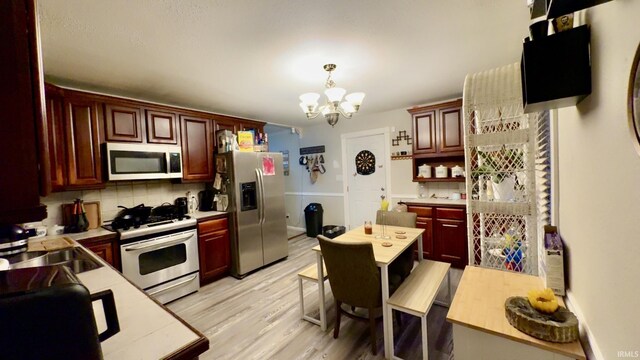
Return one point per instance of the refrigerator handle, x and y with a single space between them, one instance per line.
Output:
260 196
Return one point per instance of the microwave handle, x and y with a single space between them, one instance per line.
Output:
168 160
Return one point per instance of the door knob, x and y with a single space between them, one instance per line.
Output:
382 188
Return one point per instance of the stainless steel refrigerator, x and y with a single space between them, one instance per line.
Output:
254 184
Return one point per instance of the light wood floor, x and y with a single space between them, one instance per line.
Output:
258 317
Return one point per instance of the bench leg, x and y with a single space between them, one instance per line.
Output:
392 350
449 286
425 341
323 314
301 297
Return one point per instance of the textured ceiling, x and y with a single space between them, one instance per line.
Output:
254 58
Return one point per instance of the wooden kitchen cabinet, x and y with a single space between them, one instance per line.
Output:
214 249
445 236
162 127
438 138
82 127
197 148
56 136
437 129
25 171
105 247
123 123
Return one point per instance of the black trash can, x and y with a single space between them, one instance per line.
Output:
313 219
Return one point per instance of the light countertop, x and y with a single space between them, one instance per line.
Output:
148 330
479 304
203 215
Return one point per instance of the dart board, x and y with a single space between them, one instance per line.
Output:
365 163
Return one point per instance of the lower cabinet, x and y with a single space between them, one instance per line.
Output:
106 248
214 249
445 236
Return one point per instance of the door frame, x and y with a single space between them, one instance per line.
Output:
386 132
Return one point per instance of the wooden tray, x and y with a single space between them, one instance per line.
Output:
93 214
58 243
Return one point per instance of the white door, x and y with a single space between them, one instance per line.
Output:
364 191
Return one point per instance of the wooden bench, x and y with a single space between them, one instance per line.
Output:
417 293
311 274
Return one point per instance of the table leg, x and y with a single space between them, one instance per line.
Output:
386 312
420 253
323 313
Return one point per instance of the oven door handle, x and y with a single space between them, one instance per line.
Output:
157 244
190 279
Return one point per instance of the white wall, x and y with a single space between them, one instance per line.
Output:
328 188
599 187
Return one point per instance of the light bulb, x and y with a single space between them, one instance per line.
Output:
335 94
310 99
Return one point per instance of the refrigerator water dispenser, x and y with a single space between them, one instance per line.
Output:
248 196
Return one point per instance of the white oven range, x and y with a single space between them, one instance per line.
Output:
162 258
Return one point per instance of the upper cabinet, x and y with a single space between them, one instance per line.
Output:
23 139
55 136
438 138
162 127
197 148
82 127
437 129
123 123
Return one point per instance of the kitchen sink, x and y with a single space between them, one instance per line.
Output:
76 258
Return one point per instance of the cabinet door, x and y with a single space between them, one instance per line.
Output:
427 236
197 149
104 250
123 122
451 140
83 142
451 241
215 256
257 128
162 127
424 133
55 135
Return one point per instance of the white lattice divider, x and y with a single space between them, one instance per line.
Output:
501 148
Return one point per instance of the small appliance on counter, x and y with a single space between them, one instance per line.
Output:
206 199
182 203
46 312
13 239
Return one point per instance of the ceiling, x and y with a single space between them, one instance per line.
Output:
254 58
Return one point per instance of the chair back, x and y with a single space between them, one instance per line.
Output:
395 218
352 271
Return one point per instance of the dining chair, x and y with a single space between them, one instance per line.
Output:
355 280
403 264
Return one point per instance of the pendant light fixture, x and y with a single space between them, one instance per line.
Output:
333 107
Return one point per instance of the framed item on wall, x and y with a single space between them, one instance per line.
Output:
634 100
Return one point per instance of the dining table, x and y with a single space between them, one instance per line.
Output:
388 243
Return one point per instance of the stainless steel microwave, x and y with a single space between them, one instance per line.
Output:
143 161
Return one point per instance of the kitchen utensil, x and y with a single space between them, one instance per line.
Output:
441 171
131 217
57 243
457 171
424 171
47 311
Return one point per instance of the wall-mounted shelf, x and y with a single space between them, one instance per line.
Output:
433 179
401 157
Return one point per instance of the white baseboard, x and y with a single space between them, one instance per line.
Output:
587 339
296 228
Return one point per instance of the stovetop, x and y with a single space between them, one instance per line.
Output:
132 223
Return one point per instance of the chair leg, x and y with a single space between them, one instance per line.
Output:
372 329
336 329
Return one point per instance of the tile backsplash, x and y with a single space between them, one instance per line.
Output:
125 193
443 189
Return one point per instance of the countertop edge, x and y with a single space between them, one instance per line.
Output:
188 351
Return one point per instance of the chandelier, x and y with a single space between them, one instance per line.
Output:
333 108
